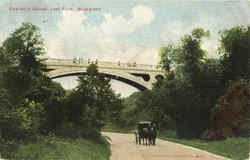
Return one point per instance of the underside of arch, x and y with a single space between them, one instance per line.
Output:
115 77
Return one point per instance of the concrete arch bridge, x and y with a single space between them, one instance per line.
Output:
140 76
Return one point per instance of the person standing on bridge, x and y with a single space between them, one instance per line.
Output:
134 64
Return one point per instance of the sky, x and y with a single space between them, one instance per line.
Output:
120 30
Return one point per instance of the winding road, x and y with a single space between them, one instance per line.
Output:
123 147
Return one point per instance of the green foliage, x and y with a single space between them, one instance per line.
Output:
29 101
31 104
168 57
231 111
235 55
200 81
128 116
93 103
199 33
25 44
30 115
5 58
52 147
21 71
17 82
52 97
226 148
186 56
181 94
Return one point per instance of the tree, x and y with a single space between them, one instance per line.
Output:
51 95
186 56
21 72
228 114
93 100
191 74
22 65
25 44
5 59
235 55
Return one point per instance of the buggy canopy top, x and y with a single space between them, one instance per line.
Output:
144 122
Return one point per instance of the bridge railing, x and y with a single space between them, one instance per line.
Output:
83 62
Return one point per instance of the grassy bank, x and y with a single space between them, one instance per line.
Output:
236 148
44 148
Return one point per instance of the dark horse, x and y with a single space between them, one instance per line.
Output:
152 135
147 135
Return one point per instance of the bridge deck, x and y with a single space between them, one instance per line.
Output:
103 64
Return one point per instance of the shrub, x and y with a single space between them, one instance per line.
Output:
232 110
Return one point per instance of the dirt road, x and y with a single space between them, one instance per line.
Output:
123 147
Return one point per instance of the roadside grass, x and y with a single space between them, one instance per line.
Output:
62 148
235 148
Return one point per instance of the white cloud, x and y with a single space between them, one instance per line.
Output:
142 15
148 56
71 22
99 41
174 30
53 48
114 26
126 89
177 29
68 82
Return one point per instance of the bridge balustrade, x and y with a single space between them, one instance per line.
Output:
54 61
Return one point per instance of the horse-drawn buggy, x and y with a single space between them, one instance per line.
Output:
145 133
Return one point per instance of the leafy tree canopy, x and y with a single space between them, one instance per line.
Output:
235 53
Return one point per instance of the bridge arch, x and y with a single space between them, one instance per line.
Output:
115 77
137 82
139 76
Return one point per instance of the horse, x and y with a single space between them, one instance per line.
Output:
149 135
143 135
146 135
152 135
